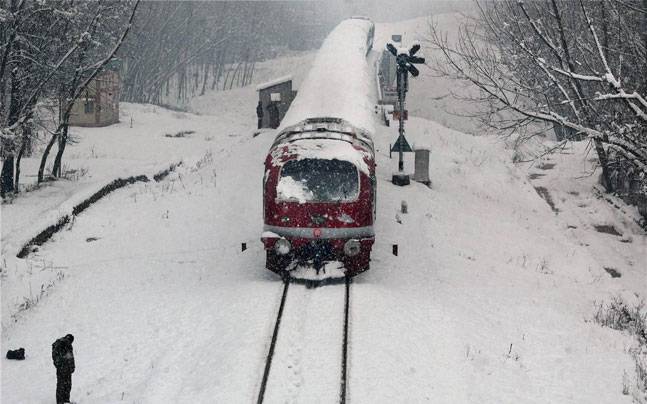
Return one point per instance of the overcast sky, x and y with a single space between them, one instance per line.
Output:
384 10
394 10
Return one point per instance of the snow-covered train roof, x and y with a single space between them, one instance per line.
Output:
322 149
339 82
331 128
328 139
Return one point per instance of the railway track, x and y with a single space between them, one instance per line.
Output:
308 353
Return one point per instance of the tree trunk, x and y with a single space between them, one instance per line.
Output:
180 79
599 148
604 163
245 68
62 142
215 77
8 146
196 79
220 68
4 61
644 32
241 73
43 159
7 176
224 84
236 72
206 77
17 174
251 73
605 29
23 147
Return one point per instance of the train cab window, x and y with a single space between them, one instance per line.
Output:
318 180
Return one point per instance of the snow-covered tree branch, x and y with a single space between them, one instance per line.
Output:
50 51
562 63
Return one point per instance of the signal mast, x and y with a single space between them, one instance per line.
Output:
405 61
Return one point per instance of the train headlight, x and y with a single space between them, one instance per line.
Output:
282 246
352 247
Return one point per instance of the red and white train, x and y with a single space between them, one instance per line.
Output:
319 184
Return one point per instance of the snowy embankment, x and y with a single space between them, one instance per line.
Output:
135 146
141 145
569 181
43 228
490 300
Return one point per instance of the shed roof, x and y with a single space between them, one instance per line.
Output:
273 83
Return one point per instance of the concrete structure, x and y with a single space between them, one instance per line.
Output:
275 97
421 173
98 105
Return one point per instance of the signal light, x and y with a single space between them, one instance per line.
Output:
352 247
405 60
282 246
416 59
391 48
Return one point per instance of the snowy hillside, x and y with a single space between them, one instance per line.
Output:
491 298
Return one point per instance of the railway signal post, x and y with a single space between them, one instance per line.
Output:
405 61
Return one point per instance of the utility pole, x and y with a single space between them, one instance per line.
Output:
402 83
405 61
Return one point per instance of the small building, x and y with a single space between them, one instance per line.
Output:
275 98
98 104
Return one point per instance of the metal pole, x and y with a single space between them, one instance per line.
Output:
401 84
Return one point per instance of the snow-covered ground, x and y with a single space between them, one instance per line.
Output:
602 223
490 300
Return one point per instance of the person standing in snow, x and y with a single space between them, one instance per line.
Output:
273 110
63 357
259 114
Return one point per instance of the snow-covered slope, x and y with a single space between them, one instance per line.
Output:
486 302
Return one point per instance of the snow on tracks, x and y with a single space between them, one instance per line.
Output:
308 362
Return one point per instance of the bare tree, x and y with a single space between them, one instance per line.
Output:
563 63
31 56
85 68
177 47
48 49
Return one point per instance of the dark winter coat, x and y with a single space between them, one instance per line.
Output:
63 355
273 111
259 110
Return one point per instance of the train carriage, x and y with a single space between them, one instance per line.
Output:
319 183
319 197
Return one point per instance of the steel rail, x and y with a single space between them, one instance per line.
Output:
270 353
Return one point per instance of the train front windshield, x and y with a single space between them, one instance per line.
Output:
318 180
